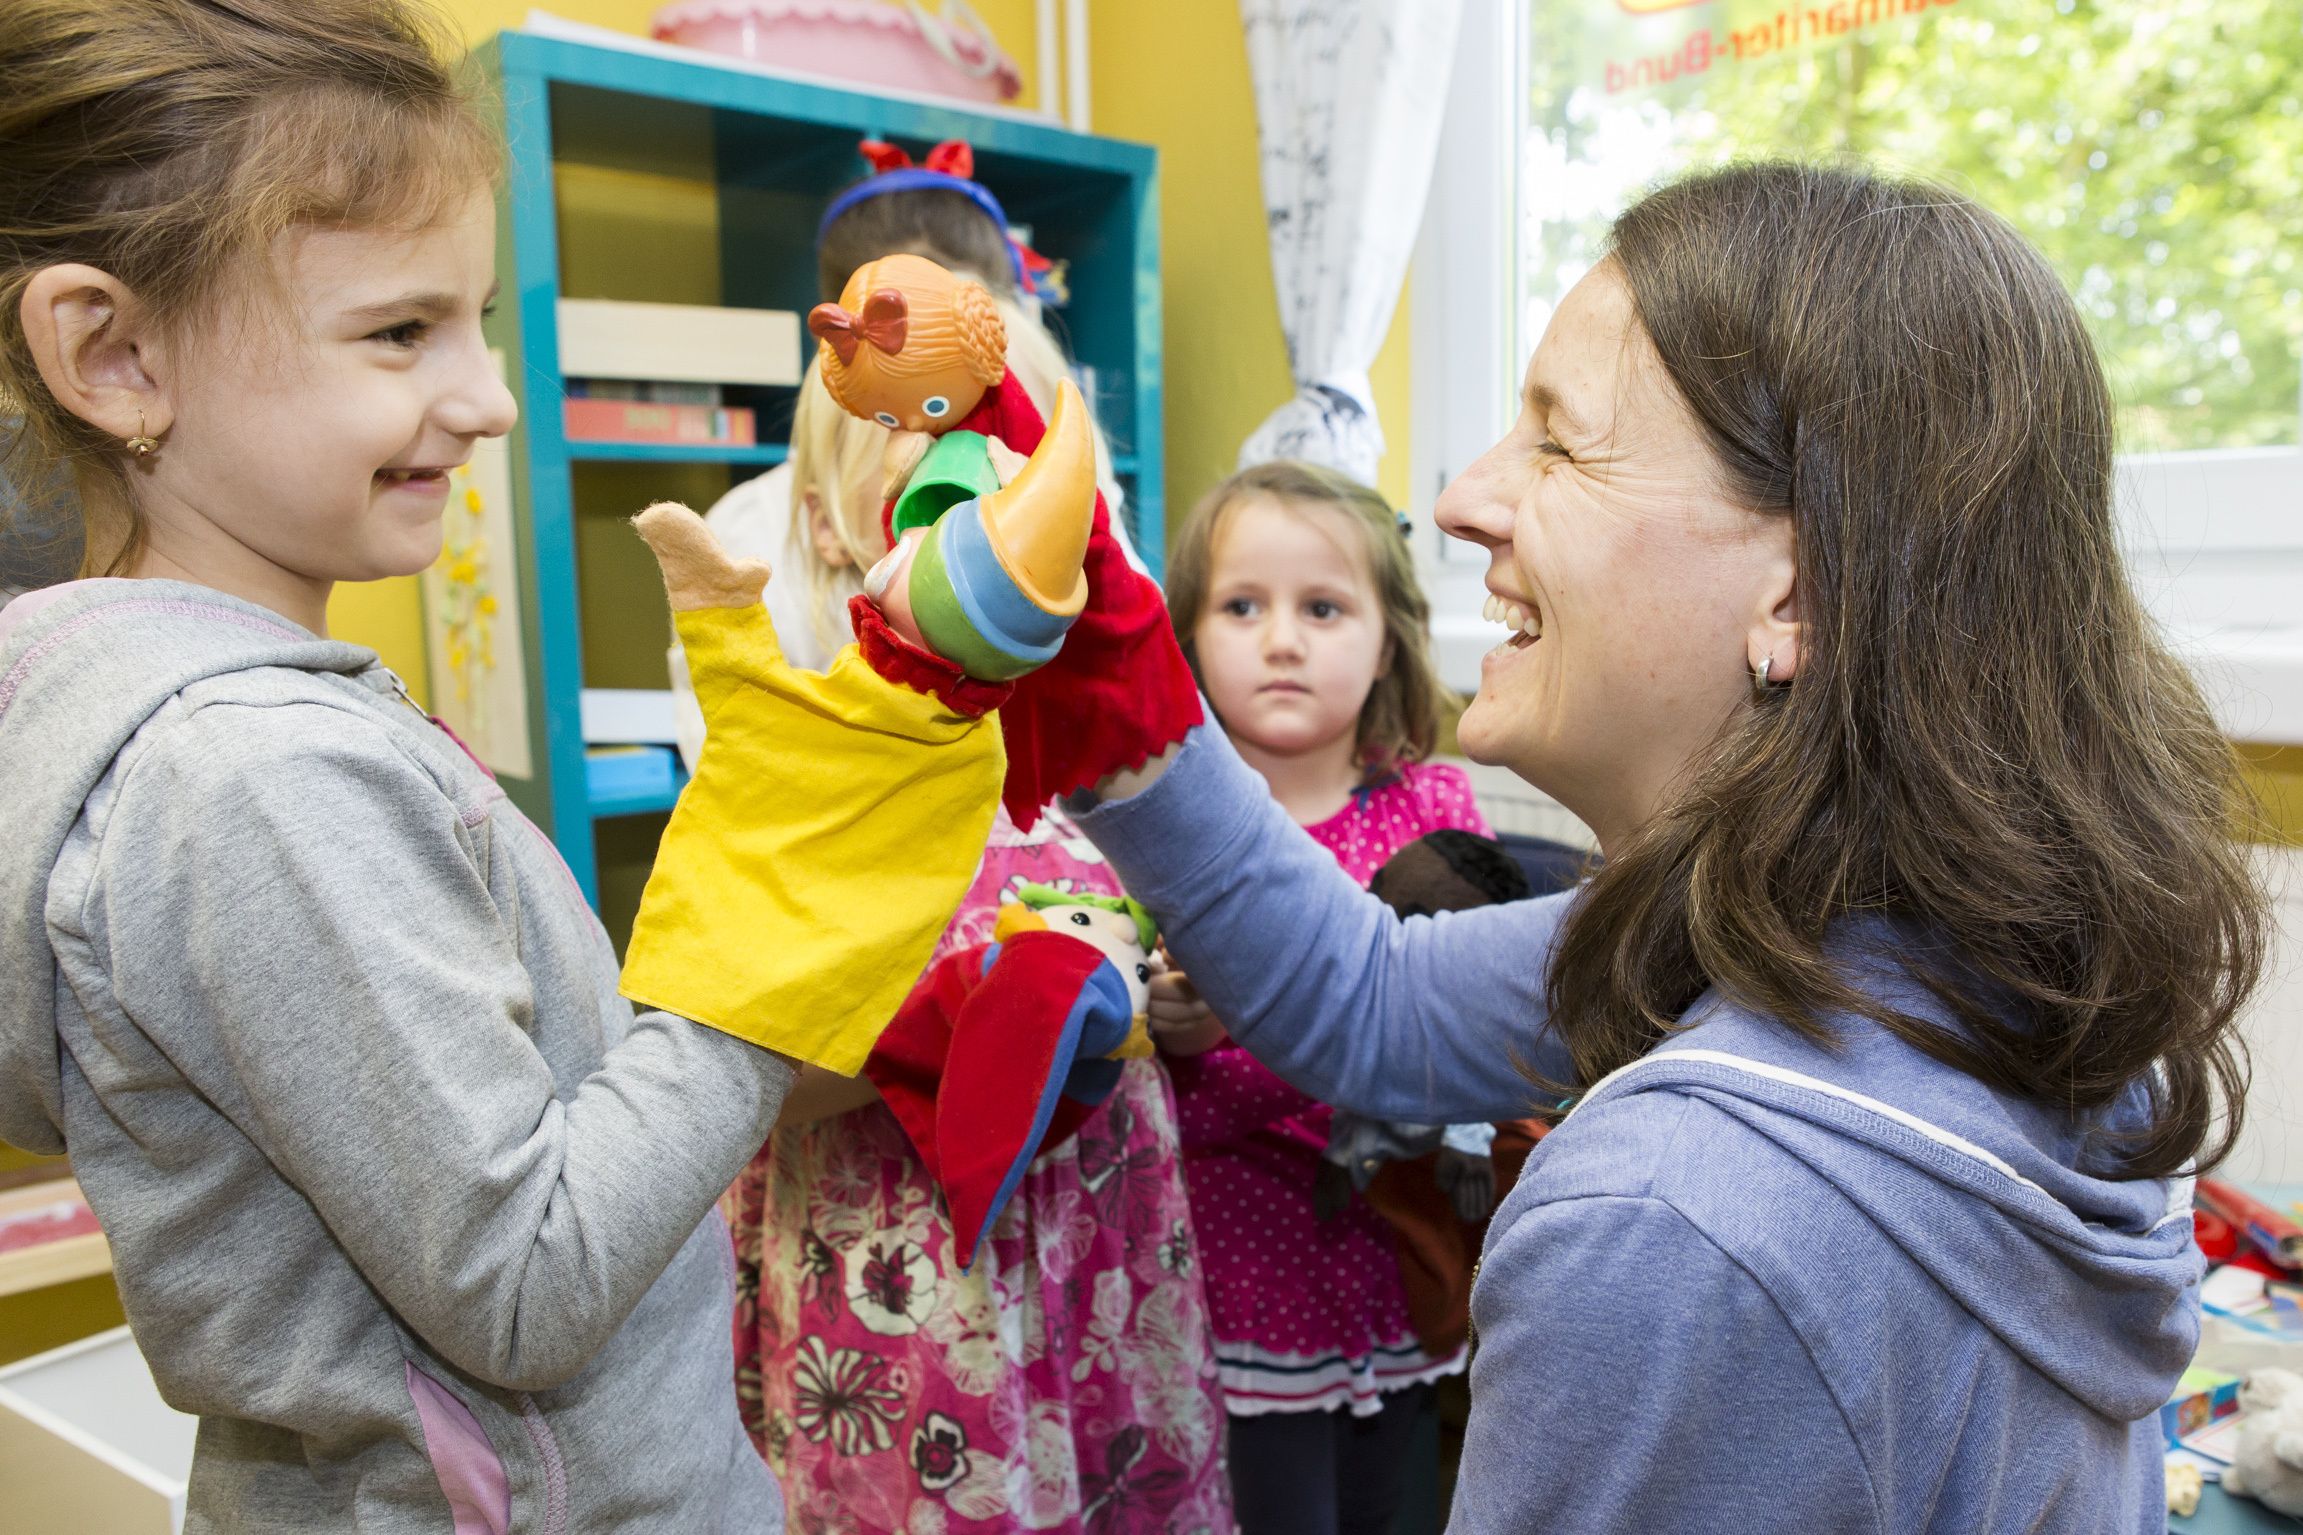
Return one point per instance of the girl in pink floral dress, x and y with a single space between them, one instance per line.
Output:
1069 1383
1293 593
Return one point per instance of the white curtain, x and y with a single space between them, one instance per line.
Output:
1348 99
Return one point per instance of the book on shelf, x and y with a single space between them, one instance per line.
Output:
48 1236
653 390
588 420
672 343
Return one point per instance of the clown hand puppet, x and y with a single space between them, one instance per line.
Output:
1004 1049
1001 567
769 914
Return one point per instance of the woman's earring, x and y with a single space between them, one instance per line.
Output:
1759 683
142 444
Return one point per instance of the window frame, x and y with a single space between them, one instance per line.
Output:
2215 536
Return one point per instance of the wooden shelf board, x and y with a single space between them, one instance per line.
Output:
586 451
50 1263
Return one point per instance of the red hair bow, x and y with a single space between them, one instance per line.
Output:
953 157
883 323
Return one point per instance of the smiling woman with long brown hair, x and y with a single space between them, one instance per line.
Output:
1905 998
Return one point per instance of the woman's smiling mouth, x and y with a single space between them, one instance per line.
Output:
1524 620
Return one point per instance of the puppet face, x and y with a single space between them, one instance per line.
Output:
909 345
1114 932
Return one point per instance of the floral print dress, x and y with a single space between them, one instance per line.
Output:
1069 1384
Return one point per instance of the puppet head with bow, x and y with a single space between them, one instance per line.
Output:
910 345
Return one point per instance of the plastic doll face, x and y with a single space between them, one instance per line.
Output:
922 405
909 345
1292 636
1644 598
1113 932
315 445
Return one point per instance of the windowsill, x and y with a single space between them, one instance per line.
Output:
2253 681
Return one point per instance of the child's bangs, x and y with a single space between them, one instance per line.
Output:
338 158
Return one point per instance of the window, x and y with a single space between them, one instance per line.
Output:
2153 149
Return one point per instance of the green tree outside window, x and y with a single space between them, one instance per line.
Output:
2152 148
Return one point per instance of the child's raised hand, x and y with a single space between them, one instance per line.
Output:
1180 1022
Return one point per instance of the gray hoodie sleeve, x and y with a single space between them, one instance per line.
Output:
1430 1019
294 911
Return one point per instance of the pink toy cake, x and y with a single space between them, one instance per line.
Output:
868 41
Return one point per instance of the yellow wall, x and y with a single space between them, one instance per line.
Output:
2275 773
1226 362
34 1321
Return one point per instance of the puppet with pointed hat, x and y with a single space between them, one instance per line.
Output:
1007 567
968 606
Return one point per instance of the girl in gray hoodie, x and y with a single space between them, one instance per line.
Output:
404 1200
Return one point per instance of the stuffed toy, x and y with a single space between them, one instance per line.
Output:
1095 682
1004 1049
1447 870
2184 1486
2267 1463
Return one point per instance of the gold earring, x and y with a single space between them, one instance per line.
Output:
142 444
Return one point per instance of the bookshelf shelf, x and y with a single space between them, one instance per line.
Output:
676 453
652 802
716 177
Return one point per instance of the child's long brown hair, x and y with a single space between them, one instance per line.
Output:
167 142
1399 723
1986 741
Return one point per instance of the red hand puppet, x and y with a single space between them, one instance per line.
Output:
1120 691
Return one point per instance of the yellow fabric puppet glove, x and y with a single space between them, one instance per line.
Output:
833 825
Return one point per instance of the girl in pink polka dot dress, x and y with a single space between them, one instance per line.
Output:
1294 594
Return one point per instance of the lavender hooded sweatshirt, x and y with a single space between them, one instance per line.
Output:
1752 1283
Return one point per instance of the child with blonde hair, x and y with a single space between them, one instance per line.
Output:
1069 1380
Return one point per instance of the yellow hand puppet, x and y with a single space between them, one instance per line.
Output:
831 829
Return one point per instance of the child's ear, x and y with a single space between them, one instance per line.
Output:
88 337
829 547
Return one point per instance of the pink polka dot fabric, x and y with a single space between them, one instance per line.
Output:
1308 1315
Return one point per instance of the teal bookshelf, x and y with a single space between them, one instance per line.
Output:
770 152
